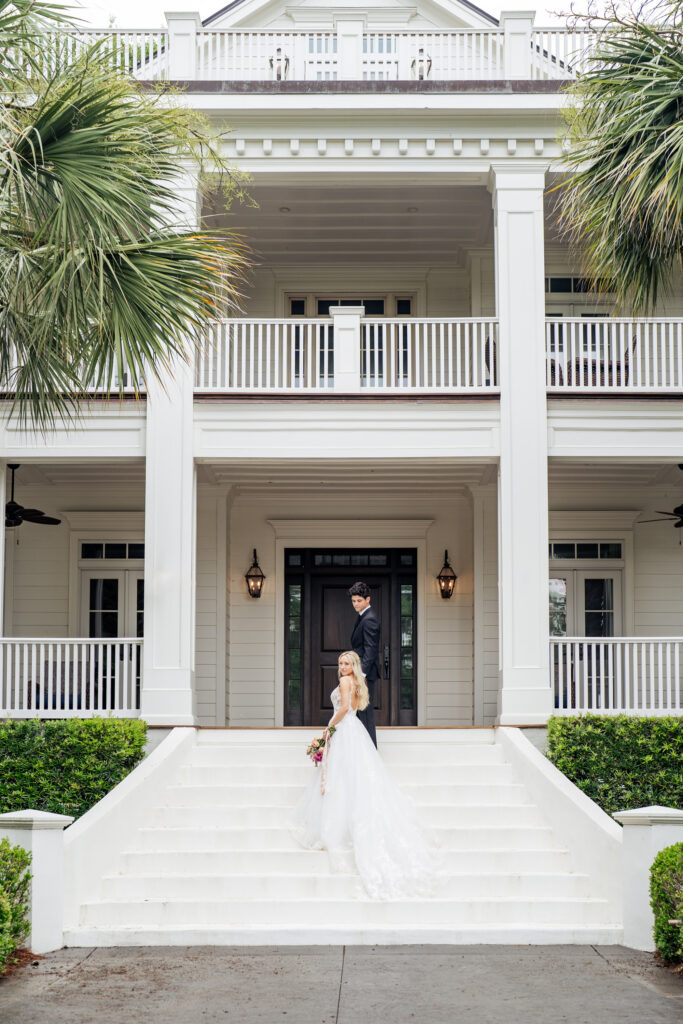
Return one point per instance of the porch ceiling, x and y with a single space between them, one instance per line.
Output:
426 477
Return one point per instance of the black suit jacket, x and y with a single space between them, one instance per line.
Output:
365 642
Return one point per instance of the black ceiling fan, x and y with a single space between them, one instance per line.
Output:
16 514
675 516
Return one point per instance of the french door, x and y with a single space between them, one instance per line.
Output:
112 606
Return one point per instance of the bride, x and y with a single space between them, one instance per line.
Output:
354 809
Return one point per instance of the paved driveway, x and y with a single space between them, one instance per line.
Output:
350 985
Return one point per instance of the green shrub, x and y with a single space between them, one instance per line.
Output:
66 766
619 761
15 880
666 900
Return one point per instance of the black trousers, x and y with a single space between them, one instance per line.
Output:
367 717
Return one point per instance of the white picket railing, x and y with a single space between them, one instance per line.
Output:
266 355
614 354
619 675
57 678
429 355
284 55
294 355
433 56
560 52
8 385
262 55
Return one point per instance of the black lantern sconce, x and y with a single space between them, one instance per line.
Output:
446 578
255 577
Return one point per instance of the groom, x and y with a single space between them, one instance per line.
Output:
365 642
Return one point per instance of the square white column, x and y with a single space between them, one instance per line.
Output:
524 695
167 696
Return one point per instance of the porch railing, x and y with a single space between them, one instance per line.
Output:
456 356
620 675
55 678
614 355
306 55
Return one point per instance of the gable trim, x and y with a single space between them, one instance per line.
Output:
237 3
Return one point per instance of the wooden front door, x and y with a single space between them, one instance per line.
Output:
320 620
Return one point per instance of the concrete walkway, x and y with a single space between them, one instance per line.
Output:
351 985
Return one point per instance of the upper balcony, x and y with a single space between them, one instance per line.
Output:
185 50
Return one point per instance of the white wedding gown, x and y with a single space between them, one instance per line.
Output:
363 820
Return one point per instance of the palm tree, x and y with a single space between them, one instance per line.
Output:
96 280
623 207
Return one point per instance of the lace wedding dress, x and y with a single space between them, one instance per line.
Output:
362 819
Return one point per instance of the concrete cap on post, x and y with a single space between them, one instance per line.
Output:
42 835
647 831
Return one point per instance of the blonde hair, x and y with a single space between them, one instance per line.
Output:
360 687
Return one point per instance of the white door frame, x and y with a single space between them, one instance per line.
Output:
361 533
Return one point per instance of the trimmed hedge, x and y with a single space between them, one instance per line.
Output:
619 761
666 900
15 879
66 766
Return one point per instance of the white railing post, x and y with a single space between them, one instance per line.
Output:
524 696
346 347
350 49
42 835
647 830
517 27
182 44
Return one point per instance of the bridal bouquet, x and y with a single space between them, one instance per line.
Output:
315 749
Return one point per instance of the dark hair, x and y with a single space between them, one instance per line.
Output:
359 589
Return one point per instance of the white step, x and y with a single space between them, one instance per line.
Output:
402 737
344 912
458 775
332 886
254 838
293 756
438 816
308 862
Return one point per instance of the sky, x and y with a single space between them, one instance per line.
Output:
150 13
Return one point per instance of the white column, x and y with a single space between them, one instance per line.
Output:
346 323
42 835
517 27
350 49
647 830
170 533
524 695
182 44
3 538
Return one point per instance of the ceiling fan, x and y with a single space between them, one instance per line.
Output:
675 516
16 514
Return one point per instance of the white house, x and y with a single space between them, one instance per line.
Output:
420 368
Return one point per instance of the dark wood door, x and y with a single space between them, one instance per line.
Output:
320 619
332 622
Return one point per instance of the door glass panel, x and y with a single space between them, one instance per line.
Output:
558 607
599 607
104 594
140 608
294 643
407 635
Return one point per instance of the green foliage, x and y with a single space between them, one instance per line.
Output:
619 761
15 880
99 282
66 766
623 206
666 900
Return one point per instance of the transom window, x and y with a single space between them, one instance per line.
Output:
375 305
585 549
112 550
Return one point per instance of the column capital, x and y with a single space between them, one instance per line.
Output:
517 175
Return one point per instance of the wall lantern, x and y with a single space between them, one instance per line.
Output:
446 578
254 577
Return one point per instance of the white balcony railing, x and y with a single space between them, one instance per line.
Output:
265 55
55 678
385 356
614 355
620 675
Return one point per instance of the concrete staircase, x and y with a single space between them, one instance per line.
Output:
214 862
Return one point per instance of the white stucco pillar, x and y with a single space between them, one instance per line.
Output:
42 835
3 540
182 44
167 696
350 48
524 694
647 831
346 322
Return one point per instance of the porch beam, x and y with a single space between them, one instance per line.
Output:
524 694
